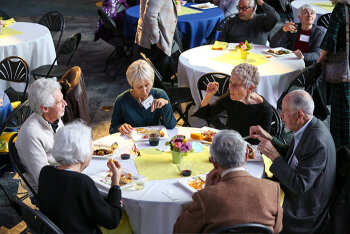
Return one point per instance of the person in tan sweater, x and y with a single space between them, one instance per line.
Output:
231 196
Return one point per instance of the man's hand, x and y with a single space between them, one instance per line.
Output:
265 146
125 129
259 2
299 54
256 131
289 27
158 103
212 178
116 169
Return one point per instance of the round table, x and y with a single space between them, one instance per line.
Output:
319 10
33 43
194 28
152 210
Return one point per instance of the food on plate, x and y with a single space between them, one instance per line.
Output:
196 136
268 56
102 152
251 154
146 131
197 183
278 52
110 160
203 6
125 178
208 135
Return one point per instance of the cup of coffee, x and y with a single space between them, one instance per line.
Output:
153 139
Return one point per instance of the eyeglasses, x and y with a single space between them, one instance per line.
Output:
242 8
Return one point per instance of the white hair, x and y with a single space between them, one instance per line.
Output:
139 72
301 100
306 7
41 93
72 143
247 73
228 149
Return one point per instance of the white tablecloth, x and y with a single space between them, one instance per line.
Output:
35 46
151 210
319 11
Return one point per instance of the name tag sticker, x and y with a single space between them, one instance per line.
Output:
304 38
148 102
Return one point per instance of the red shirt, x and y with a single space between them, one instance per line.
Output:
302 45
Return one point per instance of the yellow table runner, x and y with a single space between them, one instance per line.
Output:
158 165
324 5
234 58
187 11
8 32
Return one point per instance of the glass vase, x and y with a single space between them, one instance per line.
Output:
177 157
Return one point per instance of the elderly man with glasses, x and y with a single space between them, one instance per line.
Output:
250 26
304 38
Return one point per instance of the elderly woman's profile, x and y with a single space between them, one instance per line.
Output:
129 111
68 197
243 105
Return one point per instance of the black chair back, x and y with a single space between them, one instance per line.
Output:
218 29
245 228
286 8
17 117
15 69
222 78
276 124
4 16
36 221
54 21
324 20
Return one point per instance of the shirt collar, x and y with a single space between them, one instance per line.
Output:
231 170
54 125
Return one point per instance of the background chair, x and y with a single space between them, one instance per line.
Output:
245 228
4 15
177 96
276 125
286 8
118 41
15 69
324 20
218 29
54 21
223 80
36 221
67 51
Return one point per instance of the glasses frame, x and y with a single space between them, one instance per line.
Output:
243 8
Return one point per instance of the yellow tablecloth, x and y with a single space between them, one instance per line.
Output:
8 32
4 140
158 165
187 11
234 58
324 5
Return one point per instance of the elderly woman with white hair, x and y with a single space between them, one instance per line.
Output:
68 197
243 105
304 38
131 108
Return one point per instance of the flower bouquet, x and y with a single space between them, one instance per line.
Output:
244 47
179 147
178 4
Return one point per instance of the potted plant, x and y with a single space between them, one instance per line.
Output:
179 147
244 47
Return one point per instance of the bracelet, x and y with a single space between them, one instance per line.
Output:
116 187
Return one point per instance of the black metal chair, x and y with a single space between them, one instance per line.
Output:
286 8
66 50
15 69
277 125
244 228
223 80
4 16
36 221
324 20
54 21
118 41
177 96
218 29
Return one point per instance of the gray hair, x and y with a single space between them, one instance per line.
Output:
247 73
139 72
306 7
228 149
301 100
252 4
72 143
41 93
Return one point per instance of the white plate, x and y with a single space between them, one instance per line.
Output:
257 156
204 6
281 55
184 182
107 156
140 136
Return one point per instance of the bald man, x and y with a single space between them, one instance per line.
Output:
306 168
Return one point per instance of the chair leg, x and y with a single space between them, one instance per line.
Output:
182 116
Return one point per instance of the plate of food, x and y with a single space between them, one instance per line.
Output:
279 52
254 154
205 135
102 152
141 134
204 6
194 184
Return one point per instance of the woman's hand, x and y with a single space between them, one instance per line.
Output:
299 54
158 103
212 88
125 129
289 27
116 169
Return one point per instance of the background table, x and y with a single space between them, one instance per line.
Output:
34 45
150 210
6 107
194 28
319 10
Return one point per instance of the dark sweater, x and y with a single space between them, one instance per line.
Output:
240 116
254 31
72 201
